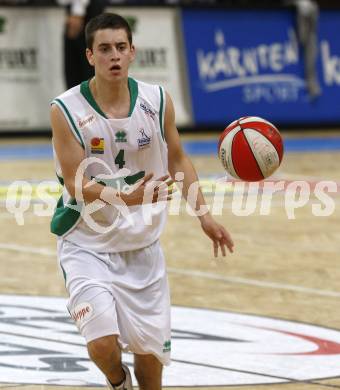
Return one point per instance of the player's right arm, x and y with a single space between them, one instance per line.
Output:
70 155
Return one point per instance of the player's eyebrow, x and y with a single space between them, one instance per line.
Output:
104 44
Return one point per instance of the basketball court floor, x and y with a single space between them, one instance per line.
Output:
265 317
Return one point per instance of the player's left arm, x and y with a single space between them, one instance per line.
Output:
179 162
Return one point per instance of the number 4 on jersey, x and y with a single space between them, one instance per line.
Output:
119 160
131 179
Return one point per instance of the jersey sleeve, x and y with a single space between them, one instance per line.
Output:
70 120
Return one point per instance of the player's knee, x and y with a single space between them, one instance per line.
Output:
148 372
104 349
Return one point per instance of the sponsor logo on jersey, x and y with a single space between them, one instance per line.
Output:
82 312
144 141
40 345
86 121
121 136
97 145
148 111
167 346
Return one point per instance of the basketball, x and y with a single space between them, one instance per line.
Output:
250 149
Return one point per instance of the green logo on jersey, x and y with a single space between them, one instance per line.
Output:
2 24
121 136
167 346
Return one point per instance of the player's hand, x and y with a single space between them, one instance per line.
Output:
74 26
218 234
149 191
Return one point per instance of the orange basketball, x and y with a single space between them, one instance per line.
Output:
250 148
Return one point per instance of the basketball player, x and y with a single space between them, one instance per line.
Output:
124 131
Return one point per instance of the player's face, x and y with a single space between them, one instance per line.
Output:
111 54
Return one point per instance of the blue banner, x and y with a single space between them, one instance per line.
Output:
251 63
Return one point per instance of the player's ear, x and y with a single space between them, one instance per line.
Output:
133 53
89 56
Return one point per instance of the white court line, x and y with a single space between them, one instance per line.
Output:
253 282
199 274
28 249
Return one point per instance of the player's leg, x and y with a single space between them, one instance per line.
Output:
106 354
101 331
147 322
93 308
148 372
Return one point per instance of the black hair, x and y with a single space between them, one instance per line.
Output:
103 21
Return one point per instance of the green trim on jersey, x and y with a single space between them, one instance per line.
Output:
132 179
133 88
117 182
60 179
86 92
70 120
64 273
64 218
161 114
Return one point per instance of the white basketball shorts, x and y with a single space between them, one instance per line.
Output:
124 294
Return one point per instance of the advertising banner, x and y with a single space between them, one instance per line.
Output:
30 66
251 63
159 55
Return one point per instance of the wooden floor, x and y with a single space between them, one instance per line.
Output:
277 253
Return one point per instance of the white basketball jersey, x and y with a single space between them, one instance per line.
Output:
118 153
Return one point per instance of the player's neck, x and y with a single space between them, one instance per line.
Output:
112 98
